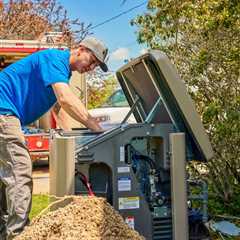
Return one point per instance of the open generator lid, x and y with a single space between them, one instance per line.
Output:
156 94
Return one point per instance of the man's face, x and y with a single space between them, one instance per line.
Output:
86 61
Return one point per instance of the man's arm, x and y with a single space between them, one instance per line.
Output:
73 106
61 117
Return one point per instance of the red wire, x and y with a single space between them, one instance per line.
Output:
87 184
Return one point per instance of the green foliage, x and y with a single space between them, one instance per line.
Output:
217 206
100 90
202 39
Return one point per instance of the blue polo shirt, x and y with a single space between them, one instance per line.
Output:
25 86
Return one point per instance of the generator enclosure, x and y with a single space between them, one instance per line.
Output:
140 168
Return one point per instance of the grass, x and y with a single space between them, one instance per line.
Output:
39 202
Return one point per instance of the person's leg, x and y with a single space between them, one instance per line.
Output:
3 211
16 174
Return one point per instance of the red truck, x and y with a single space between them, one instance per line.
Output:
38 145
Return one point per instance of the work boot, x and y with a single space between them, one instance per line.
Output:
3 221
3 234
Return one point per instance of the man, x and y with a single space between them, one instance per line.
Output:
28 89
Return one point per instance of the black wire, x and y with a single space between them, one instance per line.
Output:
117 16
145 158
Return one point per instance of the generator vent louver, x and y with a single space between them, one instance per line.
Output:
162 228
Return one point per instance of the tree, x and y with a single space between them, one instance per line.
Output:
100 87
202 39
31 19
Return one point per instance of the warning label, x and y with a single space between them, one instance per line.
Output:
122 154
130 222
123 169
124 184
128 203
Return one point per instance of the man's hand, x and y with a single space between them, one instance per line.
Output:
98 127
73 106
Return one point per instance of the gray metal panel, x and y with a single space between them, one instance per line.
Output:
134 79
151 76
179 186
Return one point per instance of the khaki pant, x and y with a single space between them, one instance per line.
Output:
15 178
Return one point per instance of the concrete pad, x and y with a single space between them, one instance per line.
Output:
41 181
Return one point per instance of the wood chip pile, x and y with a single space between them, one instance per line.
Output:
88 218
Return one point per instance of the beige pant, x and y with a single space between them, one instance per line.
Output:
15 178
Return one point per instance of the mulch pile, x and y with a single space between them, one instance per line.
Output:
86 218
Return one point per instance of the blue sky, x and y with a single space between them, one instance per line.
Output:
118 35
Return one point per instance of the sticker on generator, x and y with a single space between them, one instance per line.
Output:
122 154
128 203
124 184
130 222
123 169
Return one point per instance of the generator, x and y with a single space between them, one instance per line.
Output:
140 168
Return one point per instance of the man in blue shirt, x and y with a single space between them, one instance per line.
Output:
28 89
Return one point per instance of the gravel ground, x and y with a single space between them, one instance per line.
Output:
88 218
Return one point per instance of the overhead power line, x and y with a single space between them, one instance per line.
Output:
117 16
